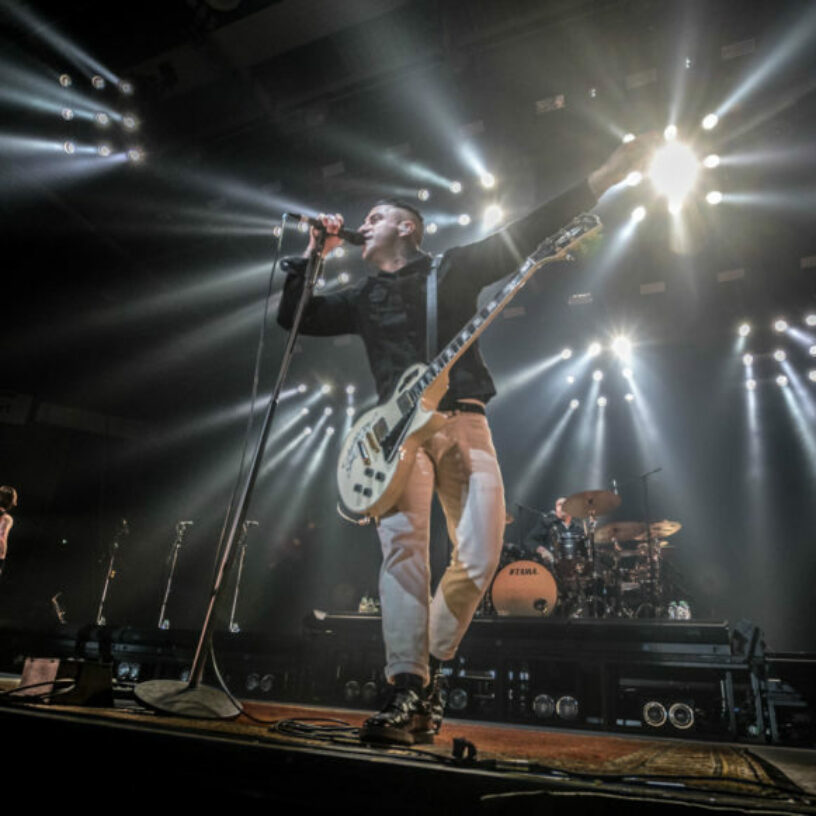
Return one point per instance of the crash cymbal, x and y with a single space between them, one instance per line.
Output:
591 502
619 531
660 529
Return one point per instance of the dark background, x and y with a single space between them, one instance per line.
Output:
133 293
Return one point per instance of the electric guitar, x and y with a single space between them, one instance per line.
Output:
379 451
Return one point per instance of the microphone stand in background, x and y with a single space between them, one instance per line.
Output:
192 698
242 543
110 572
181 530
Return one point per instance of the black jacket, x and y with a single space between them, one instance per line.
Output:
388 309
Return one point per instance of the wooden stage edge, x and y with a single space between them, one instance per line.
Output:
302 757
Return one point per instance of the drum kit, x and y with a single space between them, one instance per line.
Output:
611 571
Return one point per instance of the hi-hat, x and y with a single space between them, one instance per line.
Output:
619 531
591 503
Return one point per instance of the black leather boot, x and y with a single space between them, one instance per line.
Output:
436 694
405 718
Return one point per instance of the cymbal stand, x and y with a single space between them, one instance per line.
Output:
110 572
652 545
193 698
242 544
181 529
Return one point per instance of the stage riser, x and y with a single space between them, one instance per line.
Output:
502 674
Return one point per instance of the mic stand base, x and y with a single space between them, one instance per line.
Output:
178 698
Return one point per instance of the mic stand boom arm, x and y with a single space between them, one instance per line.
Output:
192 699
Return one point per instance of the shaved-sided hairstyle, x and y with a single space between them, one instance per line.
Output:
417 218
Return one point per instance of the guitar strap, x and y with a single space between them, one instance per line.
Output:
431 296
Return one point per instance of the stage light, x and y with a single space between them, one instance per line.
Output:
780 324
98 82
638 214
627 373
628 137
710 121
744 330
101 118
687 62
812 375
69 148
104 150
747 359
634 178
750 384
321 283
781 380
543 706
304 411
492 215
622 346
307 430
629 396
135 154
780 356
277 230
597 375
343 277
330 430
325 388
339 252
670 133
810 320
674 170
593 93
328 410
455 187
301 388
350 389
67 114
602 402
130 122
594 349
424 194
574 404
488 181
126 87
464 219
714 197
65 80
570 379
567 708
675 207
350 411
431 228
566 353
812 351
711 161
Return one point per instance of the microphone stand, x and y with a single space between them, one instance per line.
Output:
192 698
242 543
110 572
181 529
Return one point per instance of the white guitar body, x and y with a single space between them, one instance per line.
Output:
379 451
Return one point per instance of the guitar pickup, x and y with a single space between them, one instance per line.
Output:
363 451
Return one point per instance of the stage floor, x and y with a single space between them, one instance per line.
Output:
308 756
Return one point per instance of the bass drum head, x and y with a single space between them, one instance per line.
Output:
524 588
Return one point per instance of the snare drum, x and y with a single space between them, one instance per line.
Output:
524 588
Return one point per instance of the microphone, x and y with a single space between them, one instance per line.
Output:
346 234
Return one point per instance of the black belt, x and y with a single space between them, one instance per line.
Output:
469 408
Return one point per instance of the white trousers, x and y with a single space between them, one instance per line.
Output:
460 462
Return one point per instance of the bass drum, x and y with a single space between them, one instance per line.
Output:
524 588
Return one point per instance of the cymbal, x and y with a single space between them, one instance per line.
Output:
619 531
589 502
661 529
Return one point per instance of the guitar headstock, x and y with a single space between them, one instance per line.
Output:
570 240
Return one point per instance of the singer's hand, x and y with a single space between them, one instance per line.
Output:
333 224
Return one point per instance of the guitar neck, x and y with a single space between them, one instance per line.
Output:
555 248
